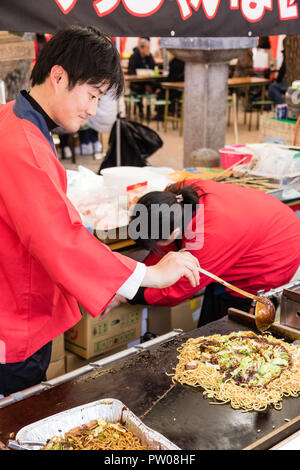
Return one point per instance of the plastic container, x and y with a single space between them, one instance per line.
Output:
230 156
144 72
123 176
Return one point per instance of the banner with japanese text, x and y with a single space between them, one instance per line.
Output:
161 18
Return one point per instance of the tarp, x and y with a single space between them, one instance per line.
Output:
161 18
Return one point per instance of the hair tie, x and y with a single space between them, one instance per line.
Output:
179 198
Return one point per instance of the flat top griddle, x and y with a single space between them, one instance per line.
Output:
181 413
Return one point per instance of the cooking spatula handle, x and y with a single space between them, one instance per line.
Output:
230 286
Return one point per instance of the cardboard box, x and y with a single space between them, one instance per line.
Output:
93 336
73 361
185 316
56 368
58 348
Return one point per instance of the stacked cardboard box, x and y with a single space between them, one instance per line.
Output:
57 360
73 361
184 316
94 336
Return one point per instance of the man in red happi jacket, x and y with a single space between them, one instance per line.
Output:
48 260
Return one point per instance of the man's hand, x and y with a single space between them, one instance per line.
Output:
115 302
171 268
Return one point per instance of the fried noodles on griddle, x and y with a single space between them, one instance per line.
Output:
248 371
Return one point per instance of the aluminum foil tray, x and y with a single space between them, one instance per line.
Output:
109 409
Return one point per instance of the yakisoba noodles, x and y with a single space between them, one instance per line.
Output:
248 371
97 435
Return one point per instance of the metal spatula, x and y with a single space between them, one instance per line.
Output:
24 445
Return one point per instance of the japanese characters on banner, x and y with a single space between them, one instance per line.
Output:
251 10
156 17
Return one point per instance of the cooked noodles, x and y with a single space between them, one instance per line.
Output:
97 435
248 371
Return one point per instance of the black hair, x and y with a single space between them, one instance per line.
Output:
87 55
175 196
264 42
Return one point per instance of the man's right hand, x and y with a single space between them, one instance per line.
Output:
115 302
171 268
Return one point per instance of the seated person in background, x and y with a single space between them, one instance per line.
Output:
265 45
278 87
244 65
141 59
264 42
176 71
244 236
65 142
176 74
244 68
158 56
89 143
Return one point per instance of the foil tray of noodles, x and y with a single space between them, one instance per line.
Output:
106 424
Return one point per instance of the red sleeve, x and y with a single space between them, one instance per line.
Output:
154 258
50 229
174 295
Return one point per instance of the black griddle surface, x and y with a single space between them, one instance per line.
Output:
141 382
187 418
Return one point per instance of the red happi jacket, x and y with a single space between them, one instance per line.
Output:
48 260
242 235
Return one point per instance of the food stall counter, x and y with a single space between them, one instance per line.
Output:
142 382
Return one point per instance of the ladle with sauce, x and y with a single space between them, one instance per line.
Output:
264 309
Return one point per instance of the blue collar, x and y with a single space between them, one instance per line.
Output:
23 110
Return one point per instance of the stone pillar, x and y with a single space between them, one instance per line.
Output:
205 87
205 106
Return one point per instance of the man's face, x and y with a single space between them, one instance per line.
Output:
145 50
73 107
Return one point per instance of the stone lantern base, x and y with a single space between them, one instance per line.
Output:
205 89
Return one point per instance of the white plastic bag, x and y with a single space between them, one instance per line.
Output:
271 160
84 187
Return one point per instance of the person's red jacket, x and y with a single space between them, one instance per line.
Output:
250 239
48 259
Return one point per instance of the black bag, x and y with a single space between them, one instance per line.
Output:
138 142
